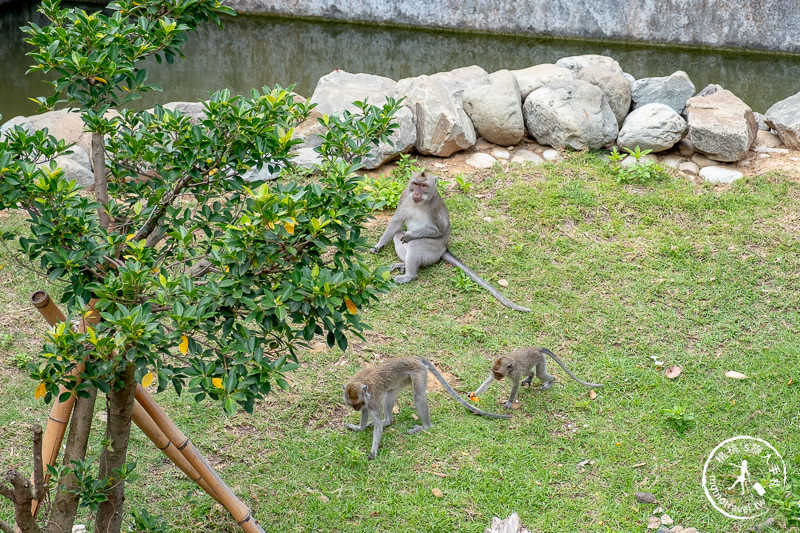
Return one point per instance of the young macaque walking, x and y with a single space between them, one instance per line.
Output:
524 362
427 234
376 387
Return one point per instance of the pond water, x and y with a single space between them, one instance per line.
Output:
255 51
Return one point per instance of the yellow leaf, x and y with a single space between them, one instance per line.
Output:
129 237
40 391
217 382
184 345
213 171
350 306
147 379
98 78
289 227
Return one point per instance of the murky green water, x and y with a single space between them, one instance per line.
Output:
254 51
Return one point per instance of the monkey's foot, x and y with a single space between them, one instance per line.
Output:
527 381
546 386
508 404
371 456
374 250
405 278
354 427
401 267
416 429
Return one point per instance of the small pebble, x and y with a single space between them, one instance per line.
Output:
487 219
550 155
502 282
499 153
481 160
645 497
666 520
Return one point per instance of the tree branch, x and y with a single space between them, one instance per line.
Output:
100 178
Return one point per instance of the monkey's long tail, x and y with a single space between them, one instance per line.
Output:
455 395
557 360
453 260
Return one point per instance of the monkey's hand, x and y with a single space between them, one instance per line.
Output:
407 236
374 250
371 456
527 381
508 405
354 427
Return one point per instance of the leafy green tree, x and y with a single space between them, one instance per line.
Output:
202 281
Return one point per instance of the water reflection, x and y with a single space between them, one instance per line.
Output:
254 51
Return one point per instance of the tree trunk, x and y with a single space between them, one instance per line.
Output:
21 491
100 177
118 430
65 504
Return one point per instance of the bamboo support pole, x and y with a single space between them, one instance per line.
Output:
61 411
238 510
156 425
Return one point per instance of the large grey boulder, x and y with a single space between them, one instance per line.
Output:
655 127
673 90
721 126
336 92
531 78
784 118
578 63
494 106
443 127
76 166
458 79
572 114
401 141
196 111
61 124
614 85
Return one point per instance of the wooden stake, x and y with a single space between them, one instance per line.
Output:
238 510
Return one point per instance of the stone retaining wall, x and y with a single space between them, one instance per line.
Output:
754 24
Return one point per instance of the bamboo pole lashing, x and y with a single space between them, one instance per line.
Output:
238 510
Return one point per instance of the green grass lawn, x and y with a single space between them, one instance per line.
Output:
703 277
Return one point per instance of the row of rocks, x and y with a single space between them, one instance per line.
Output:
579 102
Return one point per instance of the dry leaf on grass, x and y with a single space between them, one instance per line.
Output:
673 372
733 374
437 493
592 395
653 522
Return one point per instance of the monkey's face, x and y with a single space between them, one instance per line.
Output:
421 186
500 368
352 397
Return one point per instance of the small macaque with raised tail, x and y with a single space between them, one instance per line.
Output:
520 363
